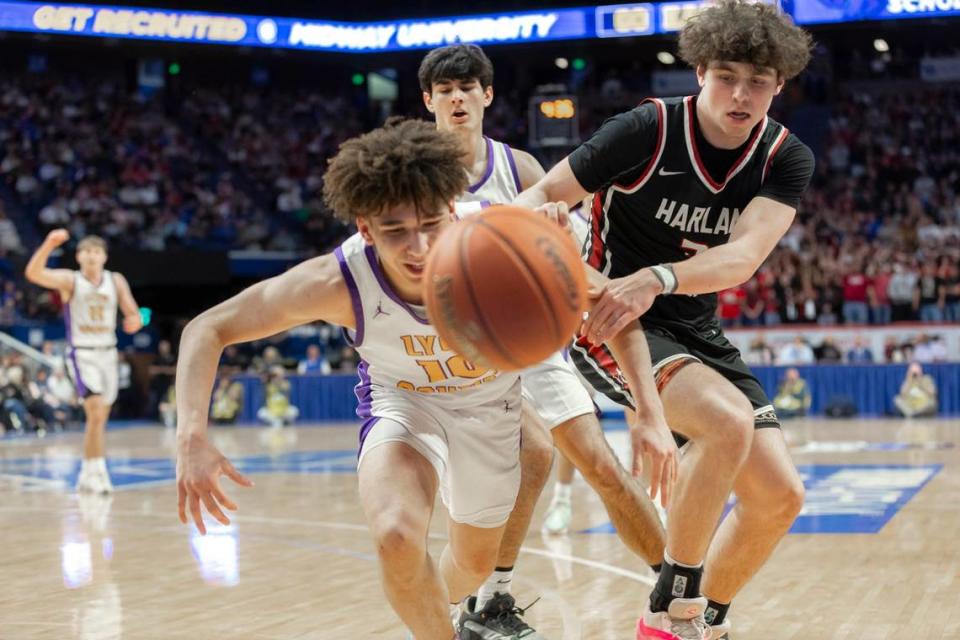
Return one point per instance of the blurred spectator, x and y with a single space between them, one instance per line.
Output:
345 361
227 401
759 353
827 315
796 352
233 359
893 350
903 283
951 286
126 405
938 349
22 400
13 399
930 296
828 352
929 349
162 370
265 363
277 409
918 394
877 294
855 285
314 363
860 353
9 237
167 407
730 304
793 396
59 393
752 305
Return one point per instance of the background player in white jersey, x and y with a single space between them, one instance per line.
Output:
457 84
91 296
397 184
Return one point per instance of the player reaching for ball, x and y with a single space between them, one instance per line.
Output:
457 84
398 185
692 194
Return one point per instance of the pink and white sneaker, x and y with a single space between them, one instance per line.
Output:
682 621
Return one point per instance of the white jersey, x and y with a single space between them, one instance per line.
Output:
400 349
91 314
500 182
551 387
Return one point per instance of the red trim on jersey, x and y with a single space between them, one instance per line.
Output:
596 226
776 147
692 139
655 158
599 354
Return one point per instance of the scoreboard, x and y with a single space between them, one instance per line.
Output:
554 121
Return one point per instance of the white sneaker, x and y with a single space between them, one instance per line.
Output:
94 480
85 481
558 517
682 621
720 631
106 486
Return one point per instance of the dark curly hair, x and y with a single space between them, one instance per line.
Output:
752 32
404 162
455 62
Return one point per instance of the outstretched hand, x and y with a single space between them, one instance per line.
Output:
656 441
199 467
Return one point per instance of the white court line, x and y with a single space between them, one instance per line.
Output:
33 482
345 526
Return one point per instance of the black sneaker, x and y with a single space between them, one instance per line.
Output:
498 620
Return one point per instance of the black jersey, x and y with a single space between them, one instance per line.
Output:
655 200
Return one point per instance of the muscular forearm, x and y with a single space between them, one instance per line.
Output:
632 354
200 349
715 269
38 262
532 197
630 350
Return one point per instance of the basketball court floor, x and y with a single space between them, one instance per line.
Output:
875 554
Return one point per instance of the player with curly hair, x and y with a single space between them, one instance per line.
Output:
691 195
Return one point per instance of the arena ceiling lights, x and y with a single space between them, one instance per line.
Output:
607 21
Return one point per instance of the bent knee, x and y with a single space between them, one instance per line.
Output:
780 499
536 458
400 538
729 426
790 497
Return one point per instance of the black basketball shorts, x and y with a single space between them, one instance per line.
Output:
671 346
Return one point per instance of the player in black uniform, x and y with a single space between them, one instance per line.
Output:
692 194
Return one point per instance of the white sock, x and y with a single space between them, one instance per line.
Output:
669 560
562 492
93 464
497 582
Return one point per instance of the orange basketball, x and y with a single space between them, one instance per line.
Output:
505 288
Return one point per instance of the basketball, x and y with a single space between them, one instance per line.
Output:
505 288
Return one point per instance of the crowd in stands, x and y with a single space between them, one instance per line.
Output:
222 171
877 237
34 399
924 348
